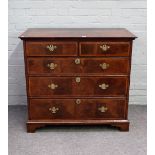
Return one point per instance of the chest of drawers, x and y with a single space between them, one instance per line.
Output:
77 76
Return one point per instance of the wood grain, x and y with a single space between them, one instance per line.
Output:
67 66
94 49
77 33
69 45
86 109
37 48
67 86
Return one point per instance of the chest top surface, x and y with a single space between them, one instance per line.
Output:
77 33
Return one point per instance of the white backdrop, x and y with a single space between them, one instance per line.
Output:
130 14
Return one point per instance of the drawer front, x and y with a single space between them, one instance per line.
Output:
47 109
78 65
101 109
51 109
47 48
104 48
77 86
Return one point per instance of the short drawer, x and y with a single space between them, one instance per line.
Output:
77 86
51 48
68 66
48 109
105 48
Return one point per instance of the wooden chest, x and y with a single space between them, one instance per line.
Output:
77 76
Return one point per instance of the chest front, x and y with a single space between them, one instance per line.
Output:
77 80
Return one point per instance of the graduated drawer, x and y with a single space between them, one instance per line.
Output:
51 48
47 109
77 86
104 48
74 66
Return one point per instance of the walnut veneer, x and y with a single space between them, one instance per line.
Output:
77 76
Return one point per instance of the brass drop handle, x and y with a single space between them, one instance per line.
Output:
52 86
103 86
77 61
102 109
53 110
52 66
78 101
78 79
51 48
104 66
104 47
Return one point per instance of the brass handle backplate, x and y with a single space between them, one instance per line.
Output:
52 86
103 109
51 48
77 61
104 47
78 101
53 110
104 66
52 66
103 86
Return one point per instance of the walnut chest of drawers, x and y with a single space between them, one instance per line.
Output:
77 76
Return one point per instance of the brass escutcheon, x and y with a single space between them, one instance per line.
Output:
77 79
78 101
77 61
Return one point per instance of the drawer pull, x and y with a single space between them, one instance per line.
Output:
104 47
52 66
52 86
104 86
103 109
77 61
51 47
53 110
77 79
78 101
104 66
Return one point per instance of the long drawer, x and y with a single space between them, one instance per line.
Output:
77 86
48 109
68 66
